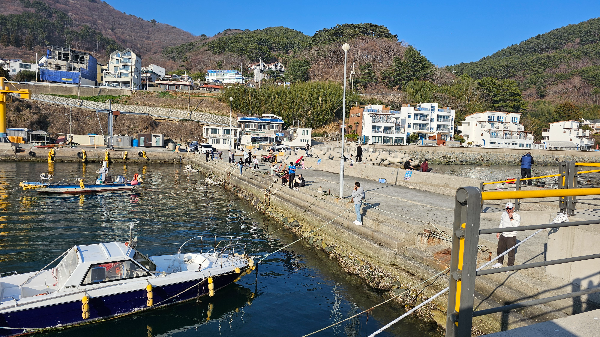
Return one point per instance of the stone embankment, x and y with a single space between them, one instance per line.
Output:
169 113
396 155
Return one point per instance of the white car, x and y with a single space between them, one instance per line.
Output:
281 148
203 148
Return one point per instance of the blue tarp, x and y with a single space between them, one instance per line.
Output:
71 76
59 76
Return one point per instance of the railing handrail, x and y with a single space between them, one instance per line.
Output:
534 227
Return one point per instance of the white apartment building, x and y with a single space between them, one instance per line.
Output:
124 70
380 125
494 129
430 121
567 134
221 137
297 137
224 76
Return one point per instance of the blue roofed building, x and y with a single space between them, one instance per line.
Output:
224 76
267 129
65 65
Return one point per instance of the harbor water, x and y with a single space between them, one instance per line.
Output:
294 292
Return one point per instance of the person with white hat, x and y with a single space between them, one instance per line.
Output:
507 240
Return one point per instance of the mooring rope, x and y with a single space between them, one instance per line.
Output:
448 288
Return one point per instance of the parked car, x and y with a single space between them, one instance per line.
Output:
206 148
281 148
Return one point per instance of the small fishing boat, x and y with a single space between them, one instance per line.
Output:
104 183
106 280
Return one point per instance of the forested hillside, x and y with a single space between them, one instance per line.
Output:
563 64
28 26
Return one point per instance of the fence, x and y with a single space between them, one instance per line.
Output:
465 238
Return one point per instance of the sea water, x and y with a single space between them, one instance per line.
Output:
294 292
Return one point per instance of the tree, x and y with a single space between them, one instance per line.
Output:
420 91
367 76
412 66
4 73
413 138
25 76
568 111
501 95
297 70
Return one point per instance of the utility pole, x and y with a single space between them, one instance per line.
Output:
345 47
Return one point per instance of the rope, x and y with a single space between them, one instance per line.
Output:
377 305
448 288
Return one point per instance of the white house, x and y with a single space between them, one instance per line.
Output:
152 73
430 121
494 129
15 66
267 129
566 134
124 70
224 76
221 137
380 125
297 137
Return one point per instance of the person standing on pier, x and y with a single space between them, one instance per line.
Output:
507 240
526 162
357 196
358 154
292 174
241 165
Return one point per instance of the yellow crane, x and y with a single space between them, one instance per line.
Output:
24 93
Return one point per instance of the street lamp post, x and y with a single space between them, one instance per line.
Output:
230 137
345 47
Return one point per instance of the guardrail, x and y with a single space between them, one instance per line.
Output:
567 180
465 238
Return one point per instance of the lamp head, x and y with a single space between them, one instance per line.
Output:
345 47
230 99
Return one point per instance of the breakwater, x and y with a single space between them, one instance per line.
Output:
396 155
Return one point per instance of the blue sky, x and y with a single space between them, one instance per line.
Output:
446 32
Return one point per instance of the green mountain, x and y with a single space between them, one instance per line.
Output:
563 64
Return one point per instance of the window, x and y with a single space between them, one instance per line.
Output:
113 271
144 261
214 131
226 131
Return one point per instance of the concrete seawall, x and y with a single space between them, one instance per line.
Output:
396 155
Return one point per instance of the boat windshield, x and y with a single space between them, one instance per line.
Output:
144 261
66 267
113 271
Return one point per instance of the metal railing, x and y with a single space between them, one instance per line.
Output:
465 238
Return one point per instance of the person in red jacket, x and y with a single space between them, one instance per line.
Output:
425 166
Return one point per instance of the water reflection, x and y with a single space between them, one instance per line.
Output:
296 291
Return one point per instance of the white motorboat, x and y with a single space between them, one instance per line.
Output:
99 281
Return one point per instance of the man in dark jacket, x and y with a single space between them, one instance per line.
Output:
526 162
358 154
